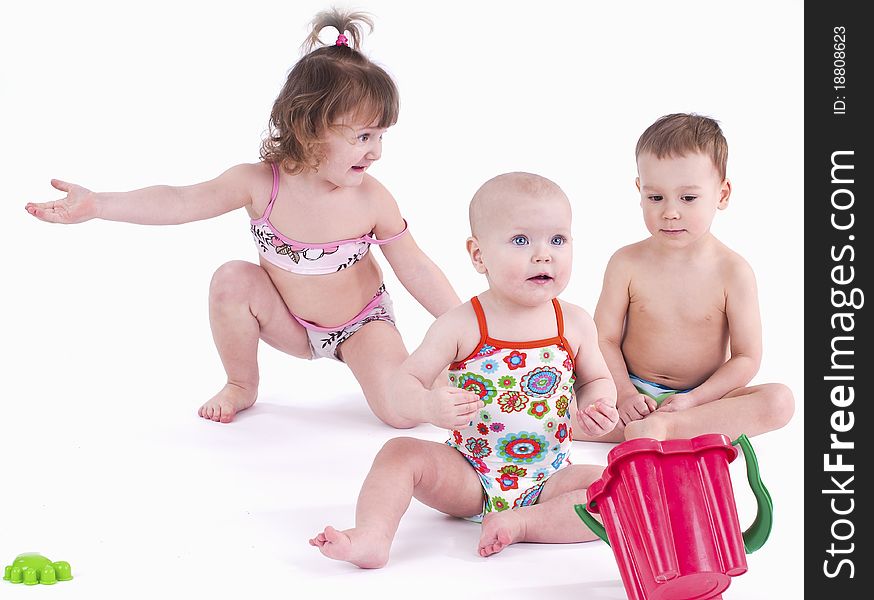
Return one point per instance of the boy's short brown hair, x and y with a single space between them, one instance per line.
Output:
679 134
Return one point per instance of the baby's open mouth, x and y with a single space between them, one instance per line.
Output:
540 278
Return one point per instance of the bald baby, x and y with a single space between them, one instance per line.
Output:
506 192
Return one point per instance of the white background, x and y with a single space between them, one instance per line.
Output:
107 352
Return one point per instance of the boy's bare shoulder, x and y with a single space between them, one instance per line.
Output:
628 257
733 268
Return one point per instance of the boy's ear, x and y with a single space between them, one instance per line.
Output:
476 254
724 193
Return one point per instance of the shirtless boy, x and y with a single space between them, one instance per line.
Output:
678 316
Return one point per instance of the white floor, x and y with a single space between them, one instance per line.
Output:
143 498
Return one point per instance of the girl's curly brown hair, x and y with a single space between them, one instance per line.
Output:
329 85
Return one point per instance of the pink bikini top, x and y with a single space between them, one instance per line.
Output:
309 259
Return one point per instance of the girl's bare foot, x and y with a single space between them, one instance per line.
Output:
229 401
365 549
500 529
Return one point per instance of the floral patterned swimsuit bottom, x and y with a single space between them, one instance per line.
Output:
523 434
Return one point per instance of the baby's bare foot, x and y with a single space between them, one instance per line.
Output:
500 529
365 549
229 401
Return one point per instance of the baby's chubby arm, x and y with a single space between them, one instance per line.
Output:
443 405
416 272
595 392
745 340
155 205
610 321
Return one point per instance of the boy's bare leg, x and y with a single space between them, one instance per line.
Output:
752 411
435 474
551 519
244 306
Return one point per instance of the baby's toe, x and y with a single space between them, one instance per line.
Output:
227 415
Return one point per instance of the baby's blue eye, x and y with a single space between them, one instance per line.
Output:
558 240
364 137
688 198
656 198
520 240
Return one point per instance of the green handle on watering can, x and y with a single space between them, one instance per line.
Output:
757 534
754 537
591 522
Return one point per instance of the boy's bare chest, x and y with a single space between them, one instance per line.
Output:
681 296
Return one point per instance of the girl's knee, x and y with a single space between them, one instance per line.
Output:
233 280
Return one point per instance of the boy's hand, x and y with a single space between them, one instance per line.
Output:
452 407
677 402
599 418
635 407
78 206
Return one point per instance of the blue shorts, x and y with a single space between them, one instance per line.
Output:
656 391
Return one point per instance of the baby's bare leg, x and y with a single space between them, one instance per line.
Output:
751 410
433 473
244 307
551 519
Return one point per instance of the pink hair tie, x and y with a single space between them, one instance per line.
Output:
342 40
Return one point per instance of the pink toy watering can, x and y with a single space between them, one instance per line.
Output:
669 515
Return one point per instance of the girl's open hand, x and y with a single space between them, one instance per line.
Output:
452 407
79 205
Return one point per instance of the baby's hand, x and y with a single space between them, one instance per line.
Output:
76 207
452 407
599 418
677 402
634 407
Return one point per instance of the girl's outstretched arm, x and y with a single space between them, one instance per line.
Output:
156 205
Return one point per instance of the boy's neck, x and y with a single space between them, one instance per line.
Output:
700 246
